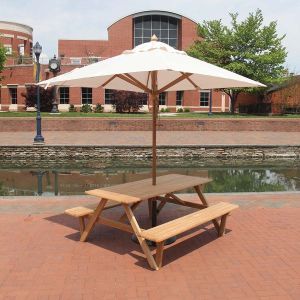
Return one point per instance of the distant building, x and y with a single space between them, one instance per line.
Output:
174 29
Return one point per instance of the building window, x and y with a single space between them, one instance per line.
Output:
204 98
64 95
164 27
75 60
162 98
108 96
13 95
21 48
86 95
179 98
8 49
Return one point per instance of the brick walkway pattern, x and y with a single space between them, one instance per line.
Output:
258 258
109 138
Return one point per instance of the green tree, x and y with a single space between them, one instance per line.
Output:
2 58
247 47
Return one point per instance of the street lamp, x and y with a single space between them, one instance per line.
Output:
37 49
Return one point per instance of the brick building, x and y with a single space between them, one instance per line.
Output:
171 28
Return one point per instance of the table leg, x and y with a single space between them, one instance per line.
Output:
154 213
137 230
92 221
205 202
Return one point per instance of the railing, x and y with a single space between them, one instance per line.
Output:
21 60
80 61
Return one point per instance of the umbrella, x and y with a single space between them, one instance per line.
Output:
153 68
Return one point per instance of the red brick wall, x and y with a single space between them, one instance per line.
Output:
188 33
103 124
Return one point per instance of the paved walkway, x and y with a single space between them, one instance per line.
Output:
258 258
163 138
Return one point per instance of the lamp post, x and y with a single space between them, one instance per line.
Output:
54 67
37 49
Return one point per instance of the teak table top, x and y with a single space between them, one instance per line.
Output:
136 191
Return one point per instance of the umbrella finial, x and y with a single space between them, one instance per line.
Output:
154 38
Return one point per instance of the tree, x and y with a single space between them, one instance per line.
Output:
2 58
46 97
124 101
247 47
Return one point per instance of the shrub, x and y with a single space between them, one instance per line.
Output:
186 109
99 108
46 98
124 101
180 110
72 108
162 110
86 108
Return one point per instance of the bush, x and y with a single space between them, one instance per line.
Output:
72 108
46 98
86 108
186 109
164 110
124 101
99 108
180 110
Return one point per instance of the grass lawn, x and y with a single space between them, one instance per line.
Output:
191 115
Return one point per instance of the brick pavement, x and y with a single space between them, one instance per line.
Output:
109 138
259 258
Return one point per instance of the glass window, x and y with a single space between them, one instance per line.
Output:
64 95
204 98
75 60
179 98
13 95
8 49
164 27
108 96
86 95
162 98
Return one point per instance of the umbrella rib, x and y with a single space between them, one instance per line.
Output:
109 80
137 84
180 78
191 81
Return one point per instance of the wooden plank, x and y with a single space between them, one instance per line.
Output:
162 232
222 225
133 207
143 189
81 225
79 211
183 202
205 202
137 230
159 254
93 220
115 224
143 86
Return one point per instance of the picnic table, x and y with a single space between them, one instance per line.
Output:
130 195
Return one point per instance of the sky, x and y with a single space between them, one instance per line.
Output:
89 19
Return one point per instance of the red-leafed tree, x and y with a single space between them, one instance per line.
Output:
128 102
46 98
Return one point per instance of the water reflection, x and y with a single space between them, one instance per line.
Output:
74 180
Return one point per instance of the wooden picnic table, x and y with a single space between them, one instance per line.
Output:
130 195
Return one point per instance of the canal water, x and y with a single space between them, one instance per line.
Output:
20 178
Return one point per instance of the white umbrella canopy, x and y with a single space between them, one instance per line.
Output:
169 63
152 67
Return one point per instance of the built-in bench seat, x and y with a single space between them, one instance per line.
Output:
82 212
167 230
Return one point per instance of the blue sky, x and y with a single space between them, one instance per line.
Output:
89 19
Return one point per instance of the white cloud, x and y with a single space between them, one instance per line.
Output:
89 19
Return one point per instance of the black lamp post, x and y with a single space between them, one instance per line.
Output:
37 49
54 67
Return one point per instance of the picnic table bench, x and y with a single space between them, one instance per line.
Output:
130 195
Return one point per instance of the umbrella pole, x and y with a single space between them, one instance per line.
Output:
154 116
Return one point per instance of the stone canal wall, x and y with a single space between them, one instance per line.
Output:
140 124
34 153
